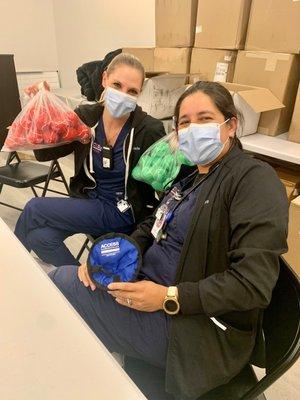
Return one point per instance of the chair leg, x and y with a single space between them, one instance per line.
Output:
83 247
261 397
51 171
54 167
34 191
62 177
11 156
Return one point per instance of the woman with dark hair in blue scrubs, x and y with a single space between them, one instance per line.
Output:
105 197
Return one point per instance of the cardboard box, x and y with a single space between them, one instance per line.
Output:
251 102
291 181
212 65
278 72
173 60
160 94
222 24
144 54
293 254
274 26
175 22
294 132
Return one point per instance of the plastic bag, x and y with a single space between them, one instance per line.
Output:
161 162
45 121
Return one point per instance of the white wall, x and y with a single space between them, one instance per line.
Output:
49 35
27 31
87 29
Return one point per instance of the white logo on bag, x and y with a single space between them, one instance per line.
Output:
108 248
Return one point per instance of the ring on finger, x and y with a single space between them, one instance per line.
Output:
129 302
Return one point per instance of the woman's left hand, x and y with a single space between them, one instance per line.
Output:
143 295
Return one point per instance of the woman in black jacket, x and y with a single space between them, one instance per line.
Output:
210 258
105 196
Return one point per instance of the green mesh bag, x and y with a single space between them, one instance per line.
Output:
160 164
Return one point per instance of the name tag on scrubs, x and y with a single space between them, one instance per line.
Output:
158 226
107 157
97 147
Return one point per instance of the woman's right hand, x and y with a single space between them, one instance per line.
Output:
33 89
83 276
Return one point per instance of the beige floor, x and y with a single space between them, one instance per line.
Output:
286 388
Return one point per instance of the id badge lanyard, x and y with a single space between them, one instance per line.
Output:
165 213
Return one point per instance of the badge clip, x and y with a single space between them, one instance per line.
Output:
123 205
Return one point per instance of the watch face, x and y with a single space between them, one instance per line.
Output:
171 306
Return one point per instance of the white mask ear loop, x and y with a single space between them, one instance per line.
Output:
228 119
102 96
224 144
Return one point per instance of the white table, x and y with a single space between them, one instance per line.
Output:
47 352
273 146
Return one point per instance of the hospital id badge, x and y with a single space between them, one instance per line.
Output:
107 157
123 205
158 226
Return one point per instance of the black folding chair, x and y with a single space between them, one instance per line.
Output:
28 174
17 173
281 327
87 244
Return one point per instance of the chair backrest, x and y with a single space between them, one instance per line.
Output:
281 326
10 105
282 320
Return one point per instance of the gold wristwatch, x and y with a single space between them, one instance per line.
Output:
171 304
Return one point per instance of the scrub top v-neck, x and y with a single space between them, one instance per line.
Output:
110 183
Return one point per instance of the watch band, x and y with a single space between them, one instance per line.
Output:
171 304
172 291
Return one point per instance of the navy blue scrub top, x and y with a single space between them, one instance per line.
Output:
110 182
161 260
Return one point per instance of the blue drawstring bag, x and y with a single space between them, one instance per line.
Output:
114 257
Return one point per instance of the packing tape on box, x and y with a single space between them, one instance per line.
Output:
271 58
198 28
228 58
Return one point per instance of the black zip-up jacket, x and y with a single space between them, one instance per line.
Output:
227 269
147 130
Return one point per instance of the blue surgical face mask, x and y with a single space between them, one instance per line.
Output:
119 103
201 143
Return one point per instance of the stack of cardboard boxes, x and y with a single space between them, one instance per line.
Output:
175 23
220 34
271 58
221 28
251 43
252 48
174 32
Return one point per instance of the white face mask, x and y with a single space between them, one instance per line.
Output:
201 143
118 103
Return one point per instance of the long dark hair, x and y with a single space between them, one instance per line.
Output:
219 95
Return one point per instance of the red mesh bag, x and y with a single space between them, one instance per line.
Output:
45 121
